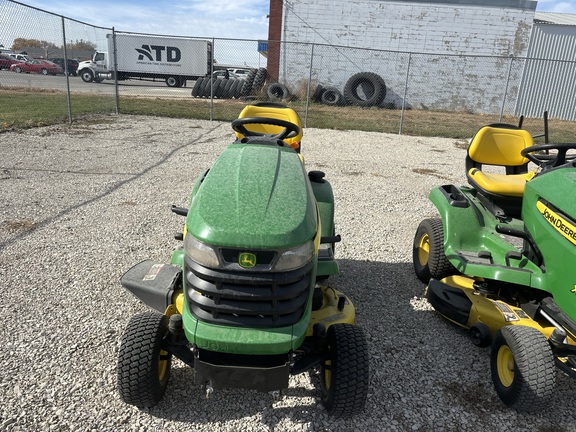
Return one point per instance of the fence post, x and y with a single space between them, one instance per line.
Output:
211 81
116 89
506 88
309 83
69 100
405 93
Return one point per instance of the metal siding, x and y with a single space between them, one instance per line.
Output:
549 85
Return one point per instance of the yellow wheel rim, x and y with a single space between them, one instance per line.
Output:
424 249
505 363
162 365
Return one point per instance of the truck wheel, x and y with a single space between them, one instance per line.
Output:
344 375
523 369
143 366
173 81
428 252
87 75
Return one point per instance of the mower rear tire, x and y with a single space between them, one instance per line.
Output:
523 369
143 366
344 375
428 252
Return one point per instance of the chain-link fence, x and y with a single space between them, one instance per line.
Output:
329 86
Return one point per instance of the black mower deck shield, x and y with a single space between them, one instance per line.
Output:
153 283
451 302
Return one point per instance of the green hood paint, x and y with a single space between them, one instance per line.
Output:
255 196
556 188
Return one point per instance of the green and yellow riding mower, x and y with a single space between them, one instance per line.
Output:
501 259
241 301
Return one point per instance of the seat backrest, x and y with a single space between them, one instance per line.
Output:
499 145
272 110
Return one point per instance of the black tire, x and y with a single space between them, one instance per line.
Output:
143 367
196 88
317 93
523 369
428 255
372 86
87 75
344 377
18 69
44 71
219 87
202 90
332 96
173 81
208 89
247 84
226 93
259 80
278 91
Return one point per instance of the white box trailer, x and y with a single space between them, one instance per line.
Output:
172 59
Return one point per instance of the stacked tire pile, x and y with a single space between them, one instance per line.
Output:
365 89
232 88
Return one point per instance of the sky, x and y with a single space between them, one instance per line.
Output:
237 19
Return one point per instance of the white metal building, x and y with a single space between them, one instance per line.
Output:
548 85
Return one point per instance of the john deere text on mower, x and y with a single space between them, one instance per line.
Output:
501 259
241 302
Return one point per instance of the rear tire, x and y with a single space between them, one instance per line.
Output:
428 255
344 376
143 366
523 369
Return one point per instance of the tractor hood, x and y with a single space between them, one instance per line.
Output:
255 196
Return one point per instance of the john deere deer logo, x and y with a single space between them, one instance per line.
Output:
247 260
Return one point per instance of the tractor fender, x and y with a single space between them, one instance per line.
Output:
325 199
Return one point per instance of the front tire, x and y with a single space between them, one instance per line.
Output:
143 366
87 75
523 369
344 375
428 255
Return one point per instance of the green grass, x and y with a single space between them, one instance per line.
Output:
22 109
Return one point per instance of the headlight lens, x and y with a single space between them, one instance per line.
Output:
200 252
295 258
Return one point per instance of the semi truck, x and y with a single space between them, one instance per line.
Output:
172 59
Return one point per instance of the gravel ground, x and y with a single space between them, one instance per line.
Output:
81 205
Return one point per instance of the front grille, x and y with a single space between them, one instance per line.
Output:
247 299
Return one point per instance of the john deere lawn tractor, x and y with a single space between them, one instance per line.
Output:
241 301
501 259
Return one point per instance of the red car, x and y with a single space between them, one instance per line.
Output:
6 61
44 67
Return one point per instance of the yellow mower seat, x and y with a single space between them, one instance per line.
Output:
499 145
275 111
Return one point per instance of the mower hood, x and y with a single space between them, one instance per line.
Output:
255 196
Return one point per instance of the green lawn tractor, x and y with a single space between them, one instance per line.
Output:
500 260
244 300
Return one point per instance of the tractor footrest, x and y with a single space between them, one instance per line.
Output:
265 379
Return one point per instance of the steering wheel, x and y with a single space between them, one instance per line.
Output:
290 129
548 161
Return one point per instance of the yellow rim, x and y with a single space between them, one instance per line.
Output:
162 365
424 249
505 362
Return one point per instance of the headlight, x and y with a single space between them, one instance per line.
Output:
295 258
200 252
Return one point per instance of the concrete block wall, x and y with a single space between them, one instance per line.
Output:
427 29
